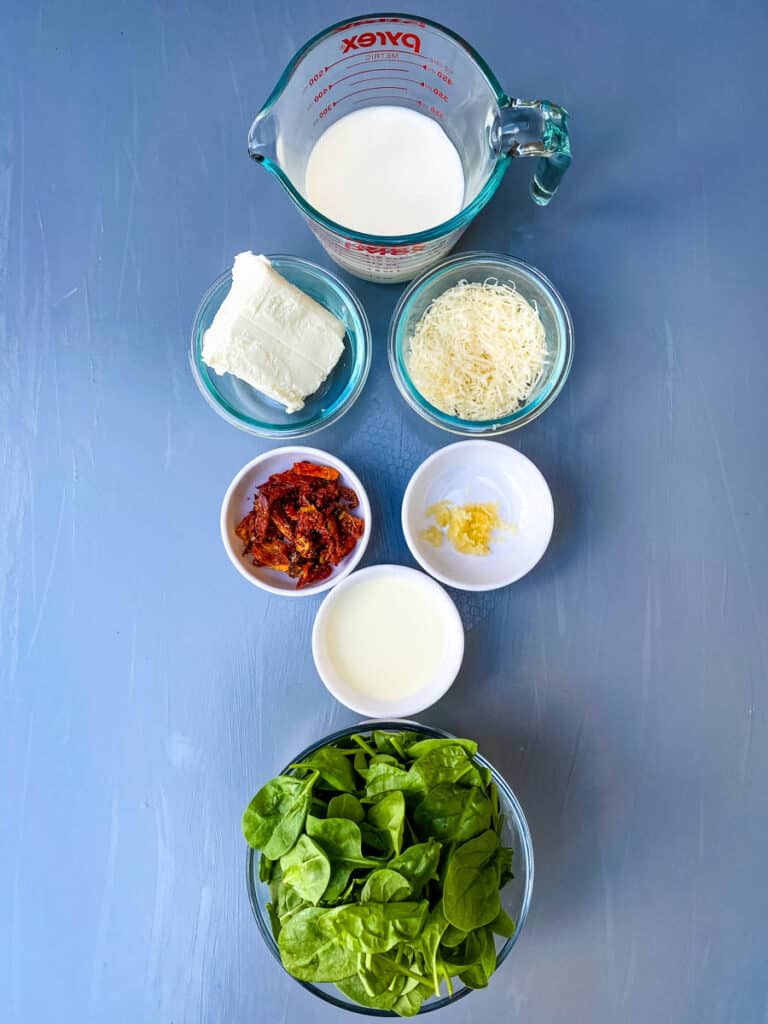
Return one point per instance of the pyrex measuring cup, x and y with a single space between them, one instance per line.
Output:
403 60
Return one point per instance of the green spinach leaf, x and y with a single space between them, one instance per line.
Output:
418 864
306 869
452 813
388 815
503 924
340 839
275 817
384 777
346 806
385 886
334 768
471 889
420 747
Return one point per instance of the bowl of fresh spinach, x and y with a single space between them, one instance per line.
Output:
390 868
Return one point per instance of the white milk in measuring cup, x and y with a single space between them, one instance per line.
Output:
390 134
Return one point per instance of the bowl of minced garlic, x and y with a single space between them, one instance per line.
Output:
469 528
477 515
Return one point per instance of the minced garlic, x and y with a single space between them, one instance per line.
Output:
469 528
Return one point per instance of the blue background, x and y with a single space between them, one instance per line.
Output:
146 690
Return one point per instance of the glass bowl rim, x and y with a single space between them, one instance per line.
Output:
352 389
556 376
526 852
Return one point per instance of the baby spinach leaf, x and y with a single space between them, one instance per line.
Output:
429 941
384 759
503 924
385 886
394 742
388 815
274 919
306 869
346 806
409 1003
323 945
451 813
383 778
360 764
504 866
311 952
275 817
477 974
339 882
353 988
420 747
288 903
493 793
340 839
452 937
375 840
471 889
266 867
447 763
377 927
418 864
363 744
334 768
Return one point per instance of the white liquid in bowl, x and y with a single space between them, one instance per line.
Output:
387 638
385 171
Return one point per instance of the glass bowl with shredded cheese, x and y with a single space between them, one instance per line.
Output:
481 344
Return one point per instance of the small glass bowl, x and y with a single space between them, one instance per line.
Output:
478 267
515 896
250 410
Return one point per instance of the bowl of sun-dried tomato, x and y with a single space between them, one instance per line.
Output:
295 521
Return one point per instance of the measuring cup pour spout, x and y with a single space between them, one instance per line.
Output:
537 128
262 138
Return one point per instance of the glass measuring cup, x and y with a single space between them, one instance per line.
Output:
404 60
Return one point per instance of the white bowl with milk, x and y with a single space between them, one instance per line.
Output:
388 641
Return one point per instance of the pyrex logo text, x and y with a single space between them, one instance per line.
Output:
407 39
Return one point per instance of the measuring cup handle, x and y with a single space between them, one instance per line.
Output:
537 128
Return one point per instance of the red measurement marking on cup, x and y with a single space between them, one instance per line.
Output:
358 92
432 109
354 74
322 93
441 95
379 56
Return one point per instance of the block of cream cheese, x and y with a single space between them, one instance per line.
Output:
271 335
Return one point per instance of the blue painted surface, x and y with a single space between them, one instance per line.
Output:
146 690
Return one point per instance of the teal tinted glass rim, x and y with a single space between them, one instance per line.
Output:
557 374
399 725
358 373
459 220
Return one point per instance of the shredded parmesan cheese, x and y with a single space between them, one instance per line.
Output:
478 351
469 528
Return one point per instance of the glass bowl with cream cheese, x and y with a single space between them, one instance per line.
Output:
251 410
465 371
515 896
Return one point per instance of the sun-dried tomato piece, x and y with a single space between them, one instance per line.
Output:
312 469
349 497
301 523
350 524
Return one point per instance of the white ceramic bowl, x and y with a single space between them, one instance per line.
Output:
480 471
238 502
409 704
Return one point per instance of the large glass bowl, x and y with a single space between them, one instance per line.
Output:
515 896
250 410
479 267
